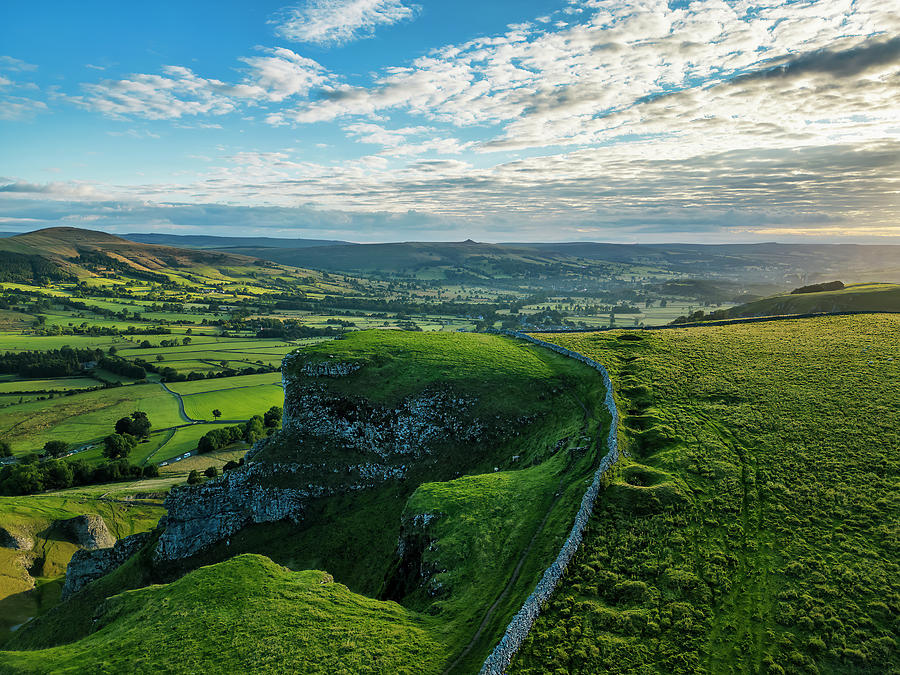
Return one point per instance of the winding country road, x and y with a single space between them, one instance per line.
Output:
191 420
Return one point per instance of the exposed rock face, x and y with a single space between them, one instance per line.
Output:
329 368
88 531
202 515
15 540
412 570
410 429
86 566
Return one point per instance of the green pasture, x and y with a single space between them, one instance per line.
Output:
752 528
84 417
219 383
52 384
239 403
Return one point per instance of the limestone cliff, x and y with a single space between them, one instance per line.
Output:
88 565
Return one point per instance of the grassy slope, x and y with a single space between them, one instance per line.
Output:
857 297
32 516
756 526
246 614
488 518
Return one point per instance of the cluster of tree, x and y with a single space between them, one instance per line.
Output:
21 268
818 288
31 476
120 366
129 430
250 431
49 363
97 261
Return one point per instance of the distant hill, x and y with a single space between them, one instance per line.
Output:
67 253
761 263
214 242
854 298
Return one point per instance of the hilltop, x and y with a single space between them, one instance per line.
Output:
440 471
62 252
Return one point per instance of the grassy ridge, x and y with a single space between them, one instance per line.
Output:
856 297
754 529
246 614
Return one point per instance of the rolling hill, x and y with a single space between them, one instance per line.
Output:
757 263
225 243
781 556
438 471
77 253
854 298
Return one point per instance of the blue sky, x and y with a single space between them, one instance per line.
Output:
381 120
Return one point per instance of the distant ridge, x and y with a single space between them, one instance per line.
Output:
217 242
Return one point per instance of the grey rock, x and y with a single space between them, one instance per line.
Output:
86 566
15 540
87 531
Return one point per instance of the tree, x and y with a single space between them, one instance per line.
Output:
186 341
56 448
211 472
160 358
140 424
5 450
117 446
137 424
272 416
217 413
193 477
150 471
254 429
123 425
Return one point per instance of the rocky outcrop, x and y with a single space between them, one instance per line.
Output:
86 566
329 368
413 428
15 540
198 516
89 532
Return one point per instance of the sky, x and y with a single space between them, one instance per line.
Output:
506 120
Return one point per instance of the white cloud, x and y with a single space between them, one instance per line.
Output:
17 108
179 92
332 22
15 65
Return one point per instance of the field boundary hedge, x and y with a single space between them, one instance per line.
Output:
520 625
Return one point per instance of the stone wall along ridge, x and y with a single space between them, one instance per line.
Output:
517 630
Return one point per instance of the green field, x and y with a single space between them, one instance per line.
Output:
83 418
53 384
239 403
266 619
754 528
202 386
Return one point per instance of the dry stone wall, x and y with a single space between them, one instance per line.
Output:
517 630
